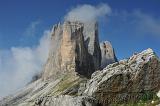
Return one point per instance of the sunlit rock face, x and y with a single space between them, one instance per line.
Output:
107 53
127 80
74 48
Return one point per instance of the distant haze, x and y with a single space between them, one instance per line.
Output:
19 64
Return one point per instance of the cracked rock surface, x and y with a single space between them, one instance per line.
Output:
126 80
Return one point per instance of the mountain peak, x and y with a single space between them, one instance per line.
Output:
73 48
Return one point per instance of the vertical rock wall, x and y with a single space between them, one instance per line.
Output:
74 48
108 54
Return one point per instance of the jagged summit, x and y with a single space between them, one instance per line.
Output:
108 54
74 48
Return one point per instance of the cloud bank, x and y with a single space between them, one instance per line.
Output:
147 23
139 22
86 13
32 28
19 64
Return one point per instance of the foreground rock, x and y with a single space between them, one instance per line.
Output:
65 100
48 92
127 80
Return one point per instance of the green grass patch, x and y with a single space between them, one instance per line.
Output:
67 82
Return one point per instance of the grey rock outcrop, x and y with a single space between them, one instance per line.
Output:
107 53
66 100
74 48
127 80
41 93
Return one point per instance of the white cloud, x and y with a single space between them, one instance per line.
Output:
85 13
139 22
147 23
31 29
19 64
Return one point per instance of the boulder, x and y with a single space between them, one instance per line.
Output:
126 80
66 100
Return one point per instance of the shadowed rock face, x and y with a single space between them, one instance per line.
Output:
126 80
74 48
91 38
107 53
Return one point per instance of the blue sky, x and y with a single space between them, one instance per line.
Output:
131 26
18 15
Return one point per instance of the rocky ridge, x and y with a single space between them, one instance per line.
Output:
126 80
72 75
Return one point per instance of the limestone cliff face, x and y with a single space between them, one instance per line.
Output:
54 56
107 53
92 43
74 48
